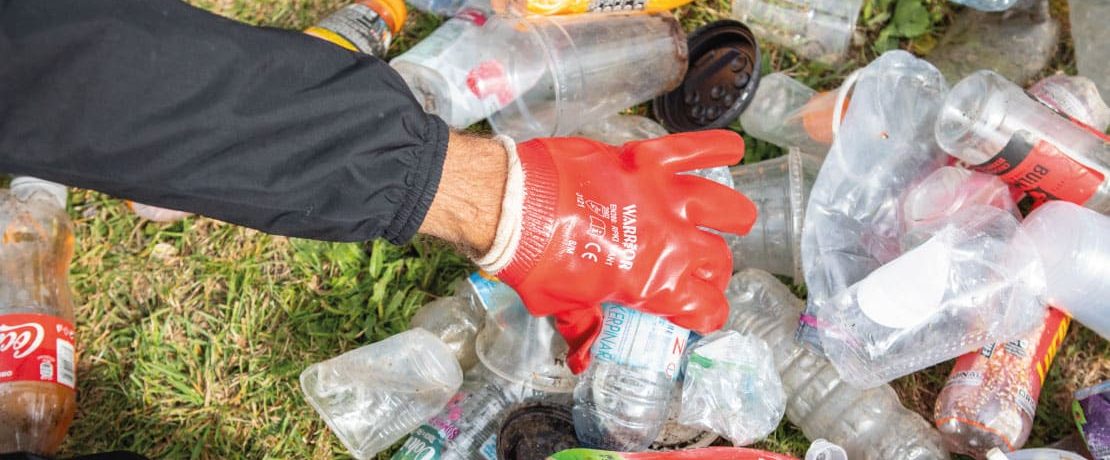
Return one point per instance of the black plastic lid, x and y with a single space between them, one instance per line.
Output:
536 430
720 82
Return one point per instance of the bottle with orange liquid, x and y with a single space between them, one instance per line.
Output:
366 26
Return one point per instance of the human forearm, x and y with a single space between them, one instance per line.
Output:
467 204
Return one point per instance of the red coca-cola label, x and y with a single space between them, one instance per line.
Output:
1041 170
37 348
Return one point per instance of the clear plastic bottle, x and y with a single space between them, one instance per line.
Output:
991 395
621 400
789 114
37 359
869 424
366 26
456 319
1076 97
991 124
816 29
373 396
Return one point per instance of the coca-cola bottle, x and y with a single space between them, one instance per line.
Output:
37 374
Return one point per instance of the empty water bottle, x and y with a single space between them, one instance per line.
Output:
621 400
869 424
457 319
375 395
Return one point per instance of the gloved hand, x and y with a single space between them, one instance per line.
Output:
584 222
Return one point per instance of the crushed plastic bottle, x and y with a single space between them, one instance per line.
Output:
929 204
621 400
1018 43
997 128
991 395
457 319
1077 97
779 187
1074 246
38 371
789 114
373 396
705 453
869 424
731 388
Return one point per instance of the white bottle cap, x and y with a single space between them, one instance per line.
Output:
824 450
23 186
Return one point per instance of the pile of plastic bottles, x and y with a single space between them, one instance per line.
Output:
934 210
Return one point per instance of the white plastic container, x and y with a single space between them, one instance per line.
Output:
373 396
1074 245
816 29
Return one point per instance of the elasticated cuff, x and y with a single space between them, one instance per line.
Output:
541 194
423 182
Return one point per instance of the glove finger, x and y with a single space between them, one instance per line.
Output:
714 262
687 151
704 307
716 206
579 327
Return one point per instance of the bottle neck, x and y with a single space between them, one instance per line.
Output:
24 187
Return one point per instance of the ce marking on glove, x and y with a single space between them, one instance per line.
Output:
590 251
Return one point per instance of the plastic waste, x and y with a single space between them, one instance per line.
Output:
731 387
991 395
852 224
1017 43
868 424
156 214
448 7
37 360
1074 246
815 29
992 5
1092 414
1092 52
366 26
1034 454
978 280
580 64
706 453
1077 97
555 7
929 204
997 128
787 113
824 450
457 319
437 68
535 429
779 187
676 436
621 400
373 396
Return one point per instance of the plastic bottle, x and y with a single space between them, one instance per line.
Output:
787 113
991 395
553 7
621 400
1034 454
1074 246
375 395
869 424
37 373
366 26
997 128
521 358
1076 97
991 5
156 214
457 319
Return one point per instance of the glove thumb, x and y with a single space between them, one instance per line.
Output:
580 327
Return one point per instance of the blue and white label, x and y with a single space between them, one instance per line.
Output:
491 292
636 339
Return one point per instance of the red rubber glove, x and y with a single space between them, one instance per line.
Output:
599 223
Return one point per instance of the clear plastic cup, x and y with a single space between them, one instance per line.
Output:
618 129
524 349
586 64
787 113
992 124
1074 245
779 188
816 29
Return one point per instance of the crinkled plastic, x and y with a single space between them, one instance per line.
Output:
928 205
977 281
885 145
732 388
1076 96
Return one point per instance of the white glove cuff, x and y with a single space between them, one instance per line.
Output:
507 237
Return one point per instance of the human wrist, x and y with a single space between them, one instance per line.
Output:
467 205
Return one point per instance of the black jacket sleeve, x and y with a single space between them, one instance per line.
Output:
165 104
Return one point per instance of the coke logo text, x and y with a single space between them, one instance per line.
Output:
21 339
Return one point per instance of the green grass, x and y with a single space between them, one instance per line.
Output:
192 334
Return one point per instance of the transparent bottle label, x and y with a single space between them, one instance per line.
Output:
486 286
467 424
635 339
